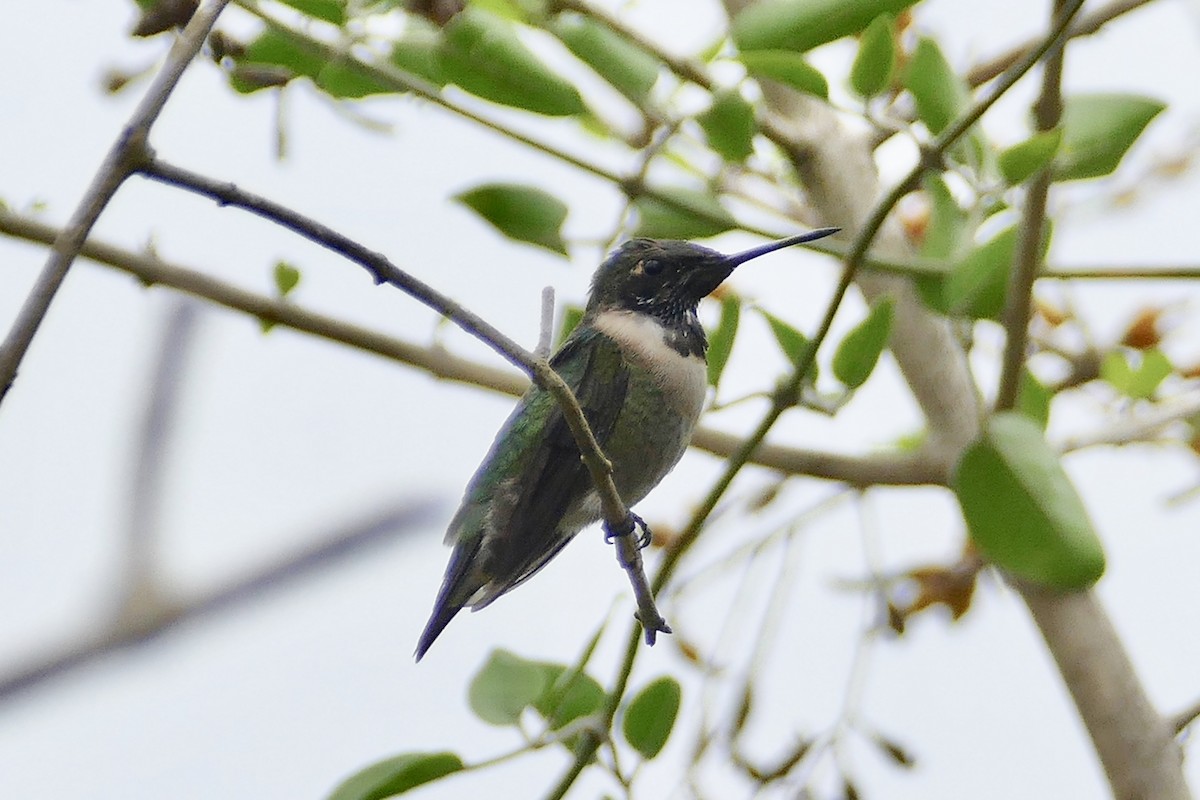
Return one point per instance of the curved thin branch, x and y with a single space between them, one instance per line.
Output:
863 237
618 521
895 469
122 160
1027 260
371 529
1086 25
1139 427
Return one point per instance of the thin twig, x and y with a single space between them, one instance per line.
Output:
142 593
886 468
1136 428
546 325
862 241
1027 260
854 259
618 520
1084 26
372 529
1181 720
152 270
631 185
1136 750
121 161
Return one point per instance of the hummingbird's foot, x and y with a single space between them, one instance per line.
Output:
646 536
636 523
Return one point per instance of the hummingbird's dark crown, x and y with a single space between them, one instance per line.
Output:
662 278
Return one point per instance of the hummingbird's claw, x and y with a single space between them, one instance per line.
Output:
646 536
636 524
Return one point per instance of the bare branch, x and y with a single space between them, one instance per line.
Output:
1136 428
546 326
1183 719
1084 26
897 469
1135 744
618 520
151 270
372 529
122 160
145 495
1027 259
844 209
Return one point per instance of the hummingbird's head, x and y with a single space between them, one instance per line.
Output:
667 278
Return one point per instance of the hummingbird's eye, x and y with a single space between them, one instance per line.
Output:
651 266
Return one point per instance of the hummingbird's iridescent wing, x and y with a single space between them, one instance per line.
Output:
511 522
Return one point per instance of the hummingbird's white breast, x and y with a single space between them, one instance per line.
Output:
683 379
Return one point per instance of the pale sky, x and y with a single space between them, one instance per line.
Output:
283 438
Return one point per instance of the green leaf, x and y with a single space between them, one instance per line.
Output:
625 66
418 50
650 716
720 338
787 68
274 47
658 220
939 93
1021 509
1033 399
505 686
729 126
1098 129
858 353
801 25
570 320
396 775
329 10
978 286
522 213
875 62
1021 161
287 278
482 54
569 695
792 342
1136 375
945 237
347 79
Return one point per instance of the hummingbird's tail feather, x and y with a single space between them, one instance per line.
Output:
442 614
458 586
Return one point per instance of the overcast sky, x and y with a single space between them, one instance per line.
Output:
283 439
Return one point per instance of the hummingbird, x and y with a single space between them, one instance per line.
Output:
636 363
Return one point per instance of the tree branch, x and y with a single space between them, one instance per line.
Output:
372 529
1135 744
1138 428
122 160
1027 260
1086 25
618 521
896 469
846 209
1133 741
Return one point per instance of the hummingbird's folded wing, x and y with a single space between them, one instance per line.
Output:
530 495
548 499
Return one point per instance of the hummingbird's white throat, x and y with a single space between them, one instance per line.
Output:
682 379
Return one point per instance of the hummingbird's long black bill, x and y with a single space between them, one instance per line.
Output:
754 252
